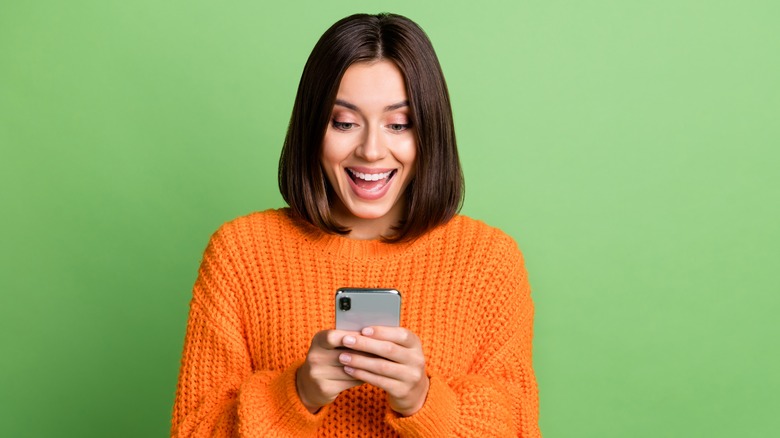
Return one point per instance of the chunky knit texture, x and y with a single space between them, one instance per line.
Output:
266 286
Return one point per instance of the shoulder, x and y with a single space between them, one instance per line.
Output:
472 249
488 259
259 224
475 236
266 218
252 232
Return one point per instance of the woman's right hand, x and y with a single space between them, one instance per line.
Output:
322 378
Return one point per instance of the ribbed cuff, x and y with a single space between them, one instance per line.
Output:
437 417
270 402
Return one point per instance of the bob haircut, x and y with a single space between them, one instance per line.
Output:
435 194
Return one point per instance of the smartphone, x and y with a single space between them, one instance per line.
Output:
357 308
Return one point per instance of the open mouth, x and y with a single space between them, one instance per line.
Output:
371 182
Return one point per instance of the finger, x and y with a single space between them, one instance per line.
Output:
389 385
334 372
331 371
385 349
397 335
330 339
343 376
378 366
326 362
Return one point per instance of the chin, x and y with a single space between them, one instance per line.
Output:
369 212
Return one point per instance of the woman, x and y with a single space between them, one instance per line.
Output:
371 174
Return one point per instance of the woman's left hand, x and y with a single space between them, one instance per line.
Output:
390 358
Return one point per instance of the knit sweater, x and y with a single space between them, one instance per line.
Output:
266 286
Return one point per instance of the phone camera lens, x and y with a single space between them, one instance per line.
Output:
345 303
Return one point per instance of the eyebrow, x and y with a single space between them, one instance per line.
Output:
354 107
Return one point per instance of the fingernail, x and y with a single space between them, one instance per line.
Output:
349 340
349 370
345 358
368 331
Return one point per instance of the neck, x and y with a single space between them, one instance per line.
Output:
368 228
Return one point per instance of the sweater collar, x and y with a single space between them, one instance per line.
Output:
343 247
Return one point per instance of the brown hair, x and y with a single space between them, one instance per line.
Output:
435 194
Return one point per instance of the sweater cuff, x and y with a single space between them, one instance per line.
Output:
437 417
271 400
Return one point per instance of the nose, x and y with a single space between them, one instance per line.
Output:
373 147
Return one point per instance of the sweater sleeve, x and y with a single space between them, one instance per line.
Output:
498 396
218 393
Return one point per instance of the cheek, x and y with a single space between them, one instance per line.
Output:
407 153
332 153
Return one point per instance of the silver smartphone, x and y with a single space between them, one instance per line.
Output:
357 308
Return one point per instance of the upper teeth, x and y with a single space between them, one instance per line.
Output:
370 176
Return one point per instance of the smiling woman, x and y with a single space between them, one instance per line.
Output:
371 174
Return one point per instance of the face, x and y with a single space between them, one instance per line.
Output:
369 148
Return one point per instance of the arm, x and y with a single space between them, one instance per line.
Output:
498 394
218 393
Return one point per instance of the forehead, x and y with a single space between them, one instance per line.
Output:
372 84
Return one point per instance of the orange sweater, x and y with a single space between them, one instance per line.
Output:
266 286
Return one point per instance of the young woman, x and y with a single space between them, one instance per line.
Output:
371 174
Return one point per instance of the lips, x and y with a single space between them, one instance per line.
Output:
370 184
369 176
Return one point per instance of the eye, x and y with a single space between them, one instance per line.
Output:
343 126
398 127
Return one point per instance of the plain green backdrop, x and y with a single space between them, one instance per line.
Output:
631 149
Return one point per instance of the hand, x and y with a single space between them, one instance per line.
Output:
390 358
322 378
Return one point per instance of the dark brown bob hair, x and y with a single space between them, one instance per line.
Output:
435 194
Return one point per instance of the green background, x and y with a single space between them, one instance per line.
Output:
631 148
